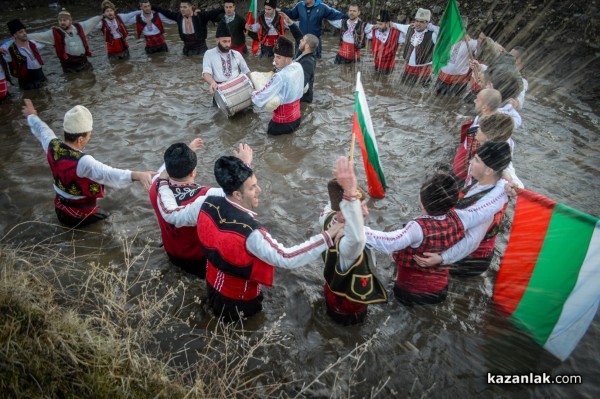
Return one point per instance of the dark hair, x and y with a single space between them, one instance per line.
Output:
505 79
229 1
70 137
190 2
336 194
354 4
495 155
231 173
497 126
180 160
439 194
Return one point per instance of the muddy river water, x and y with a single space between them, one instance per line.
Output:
143 104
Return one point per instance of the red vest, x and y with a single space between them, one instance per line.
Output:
59 41
385 53
18 62
140 23
108 37
231 270
423 52
438 235
63 164
180 242
486 247
466 150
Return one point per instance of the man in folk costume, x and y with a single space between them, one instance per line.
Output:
385 39
4 78
115 32
473 255
420 39
181 243
23 58
287 84
352 36
240 251
237 27
454 77
192 25
78 178
350 285
221 63
70 41
149 24
268 27
439 226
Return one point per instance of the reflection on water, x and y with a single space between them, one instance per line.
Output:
142 105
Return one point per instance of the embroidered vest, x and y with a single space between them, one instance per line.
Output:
358 283
438 235
181 242
263 31
231 270
385 53
63 164
466 150
59 41
140 23
358 33
121 28
424 51
18 62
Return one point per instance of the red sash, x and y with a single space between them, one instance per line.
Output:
421 71
241 48
79 209
154 40
348 51
3 88
454 79
270 40
287 113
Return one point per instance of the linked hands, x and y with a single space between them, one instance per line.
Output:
245 153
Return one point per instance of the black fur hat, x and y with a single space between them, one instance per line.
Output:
14 26
231 173
284 47
223 29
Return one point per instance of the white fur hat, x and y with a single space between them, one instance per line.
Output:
423 14
78 120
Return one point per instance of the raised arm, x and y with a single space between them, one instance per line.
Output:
390 242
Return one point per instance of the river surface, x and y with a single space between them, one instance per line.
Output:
142 105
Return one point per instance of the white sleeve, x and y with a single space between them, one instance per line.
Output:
434 37
90 24
485 208
353 242
166 20
336 24
389 242
180 216
263 246
5 46
129 18
45 37
255 27
242 63
158 172
324 213
261 97
510 170
41 131
401 27
103 174
467 245
206 66
521 96
433 28
369 31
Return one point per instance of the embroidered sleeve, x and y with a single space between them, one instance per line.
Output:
389 242
465 246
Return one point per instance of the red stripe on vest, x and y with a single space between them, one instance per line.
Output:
59 41
18 62
454 79
348 51
385 53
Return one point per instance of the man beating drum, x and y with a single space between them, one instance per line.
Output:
221 64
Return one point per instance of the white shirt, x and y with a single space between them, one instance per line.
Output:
224 66
87 165
348 35
288 84
73 43
415 39
382 36
459 58
259 243
272 31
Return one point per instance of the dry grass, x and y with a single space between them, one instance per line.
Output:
74 328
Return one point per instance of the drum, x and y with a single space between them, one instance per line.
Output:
234 95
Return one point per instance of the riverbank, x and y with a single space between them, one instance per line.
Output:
563 38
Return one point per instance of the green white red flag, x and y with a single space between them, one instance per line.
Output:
451 32
252 18
549 278
362 127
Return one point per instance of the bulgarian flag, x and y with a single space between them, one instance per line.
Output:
451 32
549 278
251 18
362 128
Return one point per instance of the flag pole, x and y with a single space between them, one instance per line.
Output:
351 157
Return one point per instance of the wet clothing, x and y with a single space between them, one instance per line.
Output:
224 67
266 30
153 30
288 84
352 40
453 78
241 253
192 30
308 62
115 36
181 244
78 178
25 64
237 28
384 46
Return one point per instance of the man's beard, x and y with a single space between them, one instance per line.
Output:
223 49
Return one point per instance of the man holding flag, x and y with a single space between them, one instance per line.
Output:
452 30
266 28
